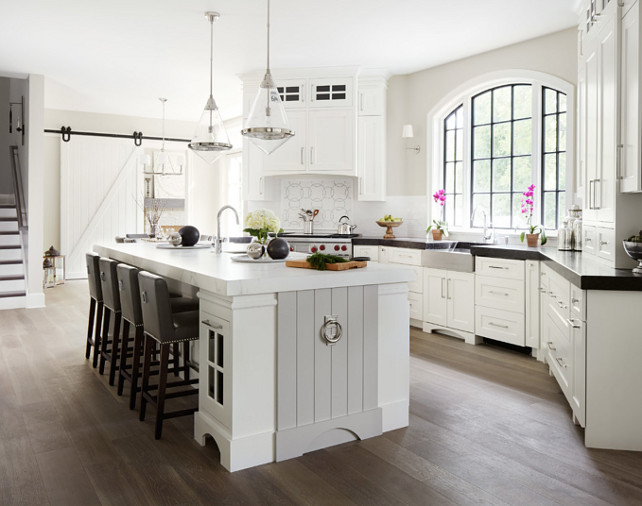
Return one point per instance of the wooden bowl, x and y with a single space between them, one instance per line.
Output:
389 226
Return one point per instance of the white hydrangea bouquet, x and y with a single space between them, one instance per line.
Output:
260 223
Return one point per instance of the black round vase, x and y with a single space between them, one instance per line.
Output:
190 235
278 248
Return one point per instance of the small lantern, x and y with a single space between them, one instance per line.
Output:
49 277
57 266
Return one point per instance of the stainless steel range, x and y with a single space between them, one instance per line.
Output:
333 244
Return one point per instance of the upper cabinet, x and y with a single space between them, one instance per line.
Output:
330 138
609 129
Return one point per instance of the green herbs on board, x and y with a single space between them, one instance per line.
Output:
319 260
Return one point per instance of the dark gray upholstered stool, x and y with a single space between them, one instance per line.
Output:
165 328
109 346
132 317
95 306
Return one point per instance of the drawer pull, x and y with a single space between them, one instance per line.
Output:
571 322
498 267
603 243
541 290
552 295
212 325
493 324
498 293
331 330
575 301
562 305
588 239
561 362
550 346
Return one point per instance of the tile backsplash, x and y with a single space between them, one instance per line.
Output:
333 197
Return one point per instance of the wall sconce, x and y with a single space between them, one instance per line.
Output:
407 133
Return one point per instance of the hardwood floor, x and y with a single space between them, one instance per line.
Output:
487 425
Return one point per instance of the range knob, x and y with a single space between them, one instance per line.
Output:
322 247
291 248
344 247
336 247
313 249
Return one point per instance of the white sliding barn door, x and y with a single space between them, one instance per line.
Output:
99 189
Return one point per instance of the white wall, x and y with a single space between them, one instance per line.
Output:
412 96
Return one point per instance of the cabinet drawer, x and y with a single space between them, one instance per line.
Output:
498 293
589 239
417 285
405 256
559 293
416 301
366 251
605 243
578 303
501 325
500 268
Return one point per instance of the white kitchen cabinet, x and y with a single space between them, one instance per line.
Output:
371 138
371 158
409 257
630 172
366 251
532 299
449 302
500 300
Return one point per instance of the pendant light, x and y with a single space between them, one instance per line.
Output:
267 125
163 163
210 138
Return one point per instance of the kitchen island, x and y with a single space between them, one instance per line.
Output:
290 360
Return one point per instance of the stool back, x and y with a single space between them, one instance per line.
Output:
156 308
129 293
93 276
109 283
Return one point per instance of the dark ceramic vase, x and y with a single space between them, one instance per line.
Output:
190 235
278 249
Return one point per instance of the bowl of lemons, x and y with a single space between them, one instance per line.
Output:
389 222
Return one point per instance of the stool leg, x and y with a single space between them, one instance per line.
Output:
90 327
176 357
186 361
147 358
162 385
104 340
97 338
115 348
122 365
138 345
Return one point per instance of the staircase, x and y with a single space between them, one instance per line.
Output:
12 269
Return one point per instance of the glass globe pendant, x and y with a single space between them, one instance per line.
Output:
267 125
210 138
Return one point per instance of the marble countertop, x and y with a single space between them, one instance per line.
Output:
583 270
217 273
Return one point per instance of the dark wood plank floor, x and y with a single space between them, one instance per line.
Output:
487 425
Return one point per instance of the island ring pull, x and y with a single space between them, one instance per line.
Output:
331 330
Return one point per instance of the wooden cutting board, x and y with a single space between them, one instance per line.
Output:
352 264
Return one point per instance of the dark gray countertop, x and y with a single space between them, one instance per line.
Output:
583 270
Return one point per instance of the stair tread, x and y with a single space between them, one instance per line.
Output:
9 232
10 262
7 206
8 218
10 246
12 294
12 277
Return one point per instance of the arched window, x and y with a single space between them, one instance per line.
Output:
495 139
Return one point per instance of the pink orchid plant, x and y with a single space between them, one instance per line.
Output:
527 211
440 198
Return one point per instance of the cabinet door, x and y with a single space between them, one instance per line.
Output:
461 300
590 119
331 142
372 101
291 156
371 158
435 302
608 112
579 371
630 129
215 362
331 92
253 178
532 303
366 251
292 92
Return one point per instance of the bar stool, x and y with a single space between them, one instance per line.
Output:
132 317
165 328
109 345
95 306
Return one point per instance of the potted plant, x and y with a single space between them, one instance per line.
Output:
259 224
534 231
439 228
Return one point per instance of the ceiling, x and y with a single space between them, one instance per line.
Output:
119 56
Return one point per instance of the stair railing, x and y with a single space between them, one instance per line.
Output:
18 189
